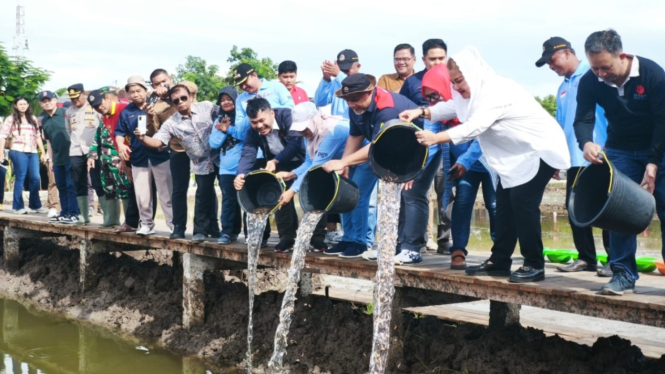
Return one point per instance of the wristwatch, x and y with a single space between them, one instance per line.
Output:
424 111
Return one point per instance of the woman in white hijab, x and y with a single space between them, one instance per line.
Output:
522 143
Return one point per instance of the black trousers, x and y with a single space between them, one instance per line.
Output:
518 218
132 216
79 165
180 176
205 198
583 236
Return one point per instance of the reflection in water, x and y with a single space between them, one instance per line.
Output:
557 234
37 343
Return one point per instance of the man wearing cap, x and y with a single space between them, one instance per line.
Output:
81 122
404 58
325 137
283 150
192 125
248 80
333 74
561 58
369 108
631 90
113 171
148 165
55 133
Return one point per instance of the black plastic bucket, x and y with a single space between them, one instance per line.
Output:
261 192
603 197
395 154
330 192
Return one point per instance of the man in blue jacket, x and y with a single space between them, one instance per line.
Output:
631 89
334 73
369 107
283 150
560 56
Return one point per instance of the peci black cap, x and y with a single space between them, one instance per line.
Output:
95 98
74 90
346 58
241 72
46 95
356 83
552 46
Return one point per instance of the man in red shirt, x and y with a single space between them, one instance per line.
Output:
287 72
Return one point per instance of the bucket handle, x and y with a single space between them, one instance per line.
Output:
280 180
609 189
337 181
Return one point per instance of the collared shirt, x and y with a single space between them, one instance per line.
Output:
163 111
412 88
325 95
81 124
55 132
276 94
392 82
129 121
635 111
385 106
23 141
193 133
513 138
299 95
275 145
566 105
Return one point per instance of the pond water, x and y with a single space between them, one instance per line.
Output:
33 342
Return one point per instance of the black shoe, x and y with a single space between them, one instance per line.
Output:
264 243
488 268
284 246
319 246
527 274
178 232
198 238
444 247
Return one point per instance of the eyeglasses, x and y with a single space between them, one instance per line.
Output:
181 99
403 59
433 97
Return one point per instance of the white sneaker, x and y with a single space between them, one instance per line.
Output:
370 254
52 213
21 211
334 237
41 210
145 230
431 246
407 256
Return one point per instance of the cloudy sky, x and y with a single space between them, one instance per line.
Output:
102 42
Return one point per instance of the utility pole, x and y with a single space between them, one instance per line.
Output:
20 39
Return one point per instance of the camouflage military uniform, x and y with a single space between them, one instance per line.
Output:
115 184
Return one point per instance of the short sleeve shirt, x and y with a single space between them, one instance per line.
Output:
55 132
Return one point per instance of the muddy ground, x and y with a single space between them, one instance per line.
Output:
144 298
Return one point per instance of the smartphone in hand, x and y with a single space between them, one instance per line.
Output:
143 124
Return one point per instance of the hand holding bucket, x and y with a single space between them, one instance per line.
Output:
261 192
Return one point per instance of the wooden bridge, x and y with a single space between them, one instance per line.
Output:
429 283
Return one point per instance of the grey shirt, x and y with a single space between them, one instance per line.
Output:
81 124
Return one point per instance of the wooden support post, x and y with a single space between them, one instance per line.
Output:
193 289
89 250
10 324
11 239
504 314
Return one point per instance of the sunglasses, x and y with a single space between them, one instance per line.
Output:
433 97
181 99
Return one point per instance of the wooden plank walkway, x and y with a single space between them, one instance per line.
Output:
567 292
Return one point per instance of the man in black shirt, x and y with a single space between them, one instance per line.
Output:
631 90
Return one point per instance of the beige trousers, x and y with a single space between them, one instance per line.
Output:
143 177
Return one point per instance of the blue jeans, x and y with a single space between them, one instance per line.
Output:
633 164
26 165
373 214
357 222
66 190
414 208
231 217
467 189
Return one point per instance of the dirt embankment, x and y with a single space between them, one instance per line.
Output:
144 298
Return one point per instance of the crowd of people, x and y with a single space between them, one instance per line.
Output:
482 130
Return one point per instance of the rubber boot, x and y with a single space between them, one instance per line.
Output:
107 213
113 206
83 207
125 205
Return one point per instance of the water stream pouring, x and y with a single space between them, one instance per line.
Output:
320 192
259 198
395 157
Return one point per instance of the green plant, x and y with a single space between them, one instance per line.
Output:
19 78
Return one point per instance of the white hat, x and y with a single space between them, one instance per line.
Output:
302 114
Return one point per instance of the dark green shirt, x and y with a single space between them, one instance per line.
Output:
56 132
